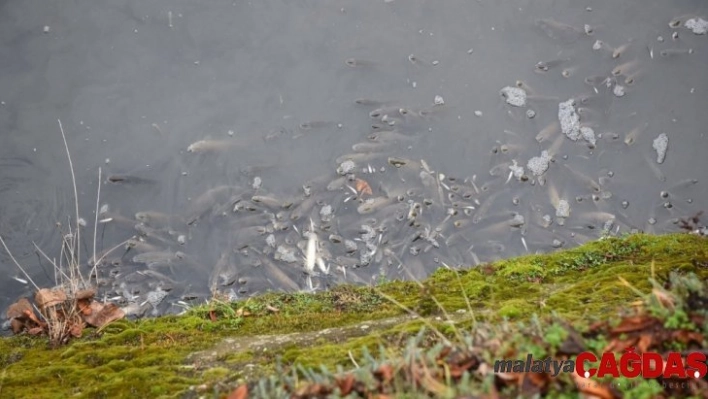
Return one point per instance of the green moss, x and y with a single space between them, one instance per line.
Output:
164 356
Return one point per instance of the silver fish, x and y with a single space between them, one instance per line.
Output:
212 145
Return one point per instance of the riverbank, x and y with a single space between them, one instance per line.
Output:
215 348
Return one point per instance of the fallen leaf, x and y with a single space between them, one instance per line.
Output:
362 187
47 298
592 388
241 312
645 341
85 294
635 323
76 329
18 309
102 314
239 393
212 315
345 384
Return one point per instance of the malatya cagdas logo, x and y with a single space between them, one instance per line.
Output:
673 365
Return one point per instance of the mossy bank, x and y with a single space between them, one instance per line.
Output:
218 345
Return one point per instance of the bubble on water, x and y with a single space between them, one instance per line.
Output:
530 113
438 100
698 26
557 243
652 221
539 165
257 182
625 204
660 144
346 167
618 91
517 221
478 113
517 170
588 135
326 213
597 45
569 120
664 194
514 96
563 209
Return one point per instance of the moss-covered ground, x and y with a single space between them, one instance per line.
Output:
216 346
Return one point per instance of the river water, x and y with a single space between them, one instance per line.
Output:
272 88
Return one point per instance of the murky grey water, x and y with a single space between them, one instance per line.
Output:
273 86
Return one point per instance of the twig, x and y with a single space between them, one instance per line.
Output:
76 194
95 224
17 263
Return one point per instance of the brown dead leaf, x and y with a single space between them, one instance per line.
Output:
84 306
29 314
239 393
35 330
645 341
272 309
18 309
592 388
345 384
242 312
687 337
634 323
384 373
47 298
85 294
212 315
76 329
665 299
362 187
17 326
102 314
619 345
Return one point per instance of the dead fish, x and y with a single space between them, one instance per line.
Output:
154 257
596 80
369 102
547 132
654 167
633 134
224 272
559 31
129 179
358 63
208 200
274 271
545 66
623 69
386 136
303 208
159 219
359 157
673 52
368 147
587 180
399 162
137 245
211 145
373 204
316 125
617 52
271 202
